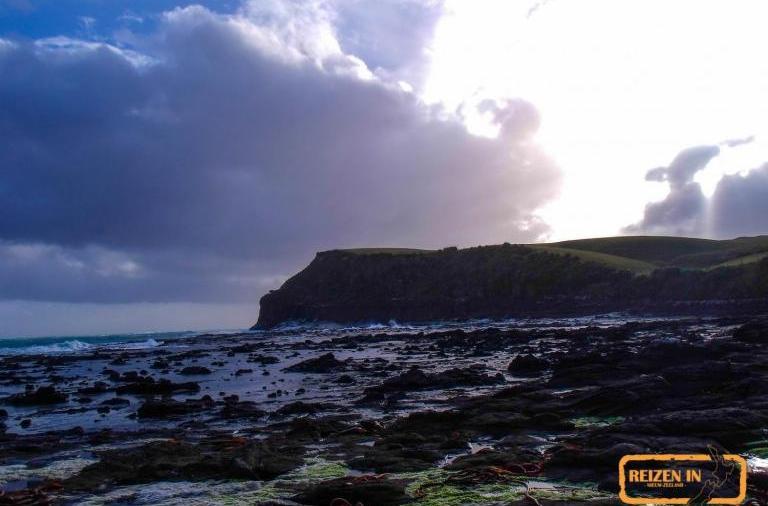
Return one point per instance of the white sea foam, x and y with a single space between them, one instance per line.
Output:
76 346
65 347
135 345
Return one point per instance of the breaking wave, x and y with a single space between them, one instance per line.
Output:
70 344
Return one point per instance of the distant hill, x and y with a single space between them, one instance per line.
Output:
645 274
682 252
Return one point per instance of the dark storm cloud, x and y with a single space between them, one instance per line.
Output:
222 153
51 272
682 211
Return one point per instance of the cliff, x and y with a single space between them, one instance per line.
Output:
654 275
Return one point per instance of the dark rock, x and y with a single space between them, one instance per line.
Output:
116 402
98 387
345 379
130 376
323 364
26 423
519 460
113 375
395 458
263 359
237 410
304 408
416 379
148 386
160 364
43 395
527 365
169 407
177 460
752 332
245 348
366 490
195 370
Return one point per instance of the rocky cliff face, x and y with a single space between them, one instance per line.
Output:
350 286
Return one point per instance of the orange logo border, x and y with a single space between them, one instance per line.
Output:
681 500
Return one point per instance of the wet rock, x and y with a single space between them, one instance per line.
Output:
323 364
195 370
394 458
752 332
623 397
165 408
525 365
98 387
414 443
245 348
178 460
519 460
366 490
313 429
304 408
730 426
41 396
160 364
129 376
263 359
416 379
345 379
148 386
112 374
116 402
382 399
238 410
593 456
581 369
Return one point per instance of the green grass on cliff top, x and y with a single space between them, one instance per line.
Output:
386 251
684 252
613 261
639 254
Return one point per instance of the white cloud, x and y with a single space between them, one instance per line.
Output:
621 86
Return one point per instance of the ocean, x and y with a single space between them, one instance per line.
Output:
69 344
142 340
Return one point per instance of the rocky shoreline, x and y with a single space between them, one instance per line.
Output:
535 412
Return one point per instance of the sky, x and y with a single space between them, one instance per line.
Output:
165 163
